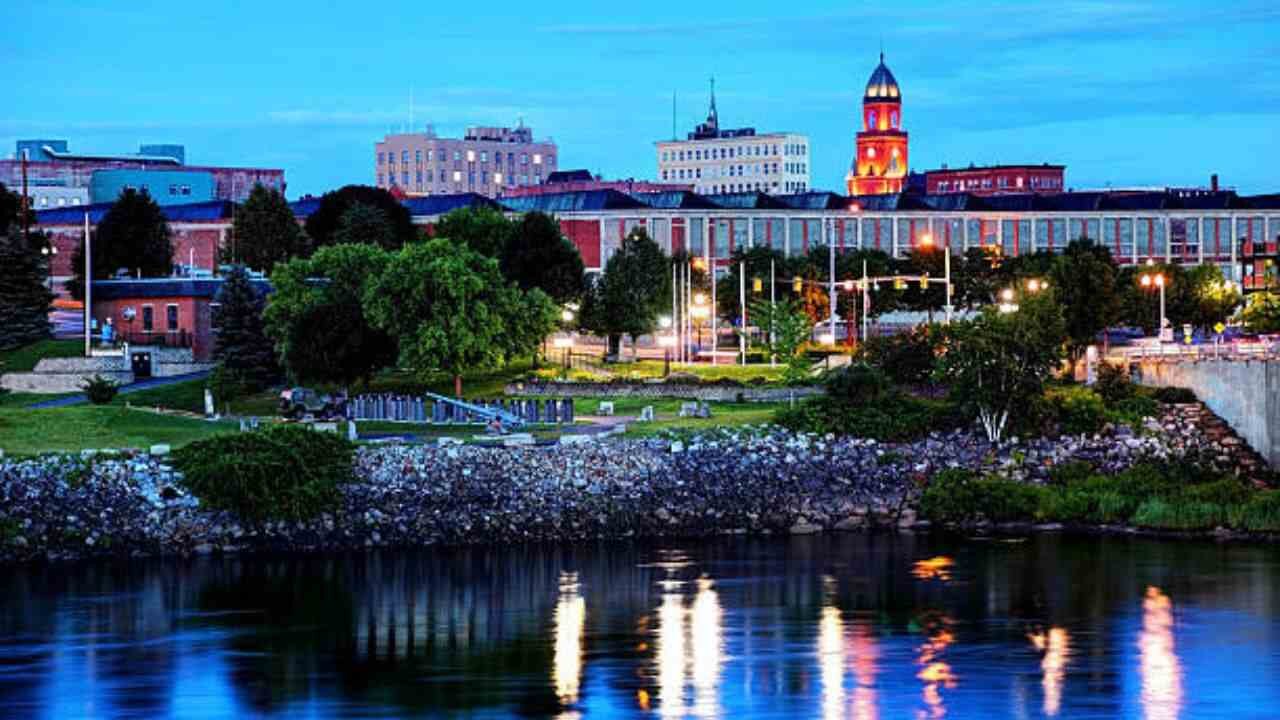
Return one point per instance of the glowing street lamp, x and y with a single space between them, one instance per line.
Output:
1035 285
1006 301
1157 280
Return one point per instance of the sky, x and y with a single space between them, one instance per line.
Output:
1123 93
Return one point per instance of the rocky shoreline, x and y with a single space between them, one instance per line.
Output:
749 480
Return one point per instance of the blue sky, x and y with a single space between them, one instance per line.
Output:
1126 93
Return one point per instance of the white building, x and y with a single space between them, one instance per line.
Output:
719 161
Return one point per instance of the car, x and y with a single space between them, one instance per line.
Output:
298 402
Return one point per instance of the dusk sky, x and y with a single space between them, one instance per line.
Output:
1122 93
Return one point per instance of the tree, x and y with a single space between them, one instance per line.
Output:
324 222
24 296
1084 281
1262 312
316 318
242 347
758 261
131 236
366 224
632 292
791 330
997 363
537 255
449 310
264 232
483 229
1213 298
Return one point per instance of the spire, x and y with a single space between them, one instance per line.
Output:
713 117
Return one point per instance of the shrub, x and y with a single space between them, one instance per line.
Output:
1174 395
281 473
1113 383
1132 410
1260 514
895 417
960 496
857 383
906 357
1079 410
100 390
1070 472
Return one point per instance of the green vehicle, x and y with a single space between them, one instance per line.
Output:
299 402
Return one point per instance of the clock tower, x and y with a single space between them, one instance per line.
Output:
880 160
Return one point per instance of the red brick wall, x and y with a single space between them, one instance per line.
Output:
585 235
194 317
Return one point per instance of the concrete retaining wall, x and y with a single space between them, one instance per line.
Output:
57 382
1245 393
720 393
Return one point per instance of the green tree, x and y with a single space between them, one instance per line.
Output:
758 261
316 318
450 310
327 218
366 224
537 255
131 236
791 331
264 232
1084 280
1213 298
24 295
483 229
997 363
632 292
243 348
1262 312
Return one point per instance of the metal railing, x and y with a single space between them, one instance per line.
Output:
178 339
1267 350
446 411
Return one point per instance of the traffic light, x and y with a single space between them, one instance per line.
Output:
924 281
899 284
757 285
797 285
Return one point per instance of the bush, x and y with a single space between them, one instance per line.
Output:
1070 472
1079 410
857 383
1260 514
100 390
1113 383
1179 515
1174 395
896 417
906 357
960 496
281 473
1131 411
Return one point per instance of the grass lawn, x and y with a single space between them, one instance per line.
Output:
28 432
18 399
667 410
24 359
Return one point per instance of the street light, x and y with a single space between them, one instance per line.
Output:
667 341
1007 305
700 312
1035 285
1148 280
50 252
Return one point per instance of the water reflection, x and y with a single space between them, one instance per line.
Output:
570 627
1158 665
935 568
778 628
1056 646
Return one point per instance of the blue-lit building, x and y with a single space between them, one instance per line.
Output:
166 187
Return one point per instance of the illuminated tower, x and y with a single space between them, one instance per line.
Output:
880 163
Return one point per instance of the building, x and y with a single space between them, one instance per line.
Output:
880 162
735 160
487 160
996 179
56 177
581 180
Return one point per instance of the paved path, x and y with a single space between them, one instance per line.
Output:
124 390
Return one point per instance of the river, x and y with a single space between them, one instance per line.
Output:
833 626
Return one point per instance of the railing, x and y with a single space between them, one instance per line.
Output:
179 339
1267 350
418 409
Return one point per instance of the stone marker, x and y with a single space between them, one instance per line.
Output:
576 439
704 410
517 439
161 449
606 407
646 414
688 409
352 435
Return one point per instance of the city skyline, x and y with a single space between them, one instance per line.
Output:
1143 94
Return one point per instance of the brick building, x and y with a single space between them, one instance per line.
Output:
562 181
996 180
879 164
487 161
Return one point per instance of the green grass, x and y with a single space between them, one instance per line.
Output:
667 410
17 399
24 359
29 432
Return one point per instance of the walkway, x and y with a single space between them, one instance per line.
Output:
124 390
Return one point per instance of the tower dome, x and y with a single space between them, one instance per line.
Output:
883 86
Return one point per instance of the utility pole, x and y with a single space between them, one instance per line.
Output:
742 302
947 265
88 284
831 280
715 312
866 301
26 203
773 311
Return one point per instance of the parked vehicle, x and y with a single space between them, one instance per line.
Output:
299 402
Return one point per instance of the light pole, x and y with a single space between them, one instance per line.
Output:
1156 280
50 252
699 313
666 340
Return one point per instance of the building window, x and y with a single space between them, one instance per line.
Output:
442 155
381 159
171 318
404 157
148 318
471 156
871 152
457 155
484 156
497 178
457 176
524 158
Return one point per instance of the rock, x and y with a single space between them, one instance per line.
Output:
803 527
852 522
160 450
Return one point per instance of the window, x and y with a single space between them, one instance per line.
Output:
171 318
148 318
457 155
537 158
417 156
404 156
442 155
457 177
871 152
524 158
471 156
381 158
404 177
484 156
497 178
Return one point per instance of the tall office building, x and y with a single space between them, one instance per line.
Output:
719 161
487 161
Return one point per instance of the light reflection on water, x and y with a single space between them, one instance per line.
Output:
862 627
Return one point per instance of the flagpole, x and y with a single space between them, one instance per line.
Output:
88 284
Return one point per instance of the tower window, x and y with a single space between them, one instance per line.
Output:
871 152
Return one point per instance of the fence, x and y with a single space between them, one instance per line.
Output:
1226 351
416 409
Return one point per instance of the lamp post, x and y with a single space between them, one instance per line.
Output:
666 340
50 251
1156 280
1007 305
699 313
566 344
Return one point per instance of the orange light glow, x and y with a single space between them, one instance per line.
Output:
934 672
1158 664
935 568
1056 646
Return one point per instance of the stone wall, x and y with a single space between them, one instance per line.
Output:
708 392
1245 393
67 374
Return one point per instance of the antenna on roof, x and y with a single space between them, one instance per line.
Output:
882 49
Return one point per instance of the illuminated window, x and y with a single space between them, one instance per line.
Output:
457 176
471 156
537 158
871 152
497 178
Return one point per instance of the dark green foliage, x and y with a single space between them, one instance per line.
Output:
1174 395
1084 279
482 229
282 473
100 390
1069 472
538 256
361 223
264 232
1078 409
132 236
959 496
858 384
895 417
1132 410
243 349
317 320
1113 383
1260 514
907 357
24 295
633 291
323 224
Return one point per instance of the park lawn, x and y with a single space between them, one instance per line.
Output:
29 432
24 359
19 399
705 371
